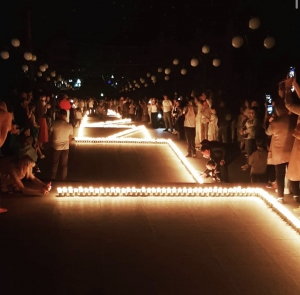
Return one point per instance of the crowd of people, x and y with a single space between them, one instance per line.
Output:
208 125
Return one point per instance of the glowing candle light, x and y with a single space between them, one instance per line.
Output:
59 191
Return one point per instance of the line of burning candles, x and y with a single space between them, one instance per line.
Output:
155 191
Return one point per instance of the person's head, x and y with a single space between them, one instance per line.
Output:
211 165
252 113
204 103
166 97
25 163
254 103
31 107
281 89
23 95
280 108
26 131
14 128
242 109
191 102
28 141
3 106
24 102
213 111
205 151
62 115
43 97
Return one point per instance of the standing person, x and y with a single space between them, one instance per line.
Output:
213 125
167 107
282 140
41 110
190 112
61 135
293 172
154 113
224 117
198 136
65 104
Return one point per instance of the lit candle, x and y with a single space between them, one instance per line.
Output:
59 191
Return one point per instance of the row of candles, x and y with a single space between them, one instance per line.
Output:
155 191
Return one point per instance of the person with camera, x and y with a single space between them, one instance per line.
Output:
280 129
293 172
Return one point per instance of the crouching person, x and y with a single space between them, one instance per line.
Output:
13 170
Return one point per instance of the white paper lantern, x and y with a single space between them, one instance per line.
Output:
42 68
34 58
143 81
48 78
183 71
25 68
15 42
46 66
237 41
146 85
167 71
28 56
216 62
254 23
130 86
53 74
176 61
4 54
136 84
160 70
39 74
153 77
134 81
148 75
205 49
269 42
194 62
167 78
133 89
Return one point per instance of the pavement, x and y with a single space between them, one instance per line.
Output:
134 245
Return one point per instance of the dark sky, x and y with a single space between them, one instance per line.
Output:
133 36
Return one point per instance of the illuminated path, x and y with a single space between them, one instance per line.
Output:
151 245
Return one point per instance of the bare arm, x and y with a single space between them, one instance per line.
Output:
5 125
297 87
289 103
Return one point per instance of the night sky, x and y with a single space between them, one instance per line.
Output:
94 39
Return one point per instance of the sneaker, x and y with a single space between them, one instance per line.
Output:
165 129
271 185
194 155
280 199
42 157
188 156
296 198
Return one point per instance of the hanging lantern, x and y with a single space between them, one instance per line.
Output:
237 41
53 74
134 81
194 62
254 23
176 61
205 49
153 77
15 42
269 42
183 71
59 79
25 68
48 79
167 71
143 81
28 56
148 75
46 66
4 55
160 70
42 68
136 84
133 89
167 78
34 58
130 86
146 85
216 62
39 74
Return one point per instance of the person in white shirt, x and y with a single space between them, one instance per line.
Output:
61 135
190 112
167 107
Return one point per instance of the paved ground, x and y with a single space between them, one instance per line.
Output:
130 245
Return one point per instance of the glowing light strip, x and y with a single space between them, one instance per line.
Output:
120 140
183 192
186 163
109 126
111 122
126 132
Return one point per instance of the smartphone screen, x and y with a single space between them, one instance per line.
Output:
292 72
269 104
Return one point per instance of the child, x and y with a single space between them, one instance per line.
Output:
242 118
258 163
213 125
211 171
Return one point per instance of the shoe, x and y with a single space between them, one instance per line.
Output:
198 149
38 170
194 155
42 157
188 156
165 129
271 185
296 198
280 199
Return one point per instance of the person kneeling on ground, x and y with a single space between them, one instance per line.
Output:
13 170
211 171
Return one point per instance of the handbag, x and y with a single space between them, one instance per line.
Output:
296 132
